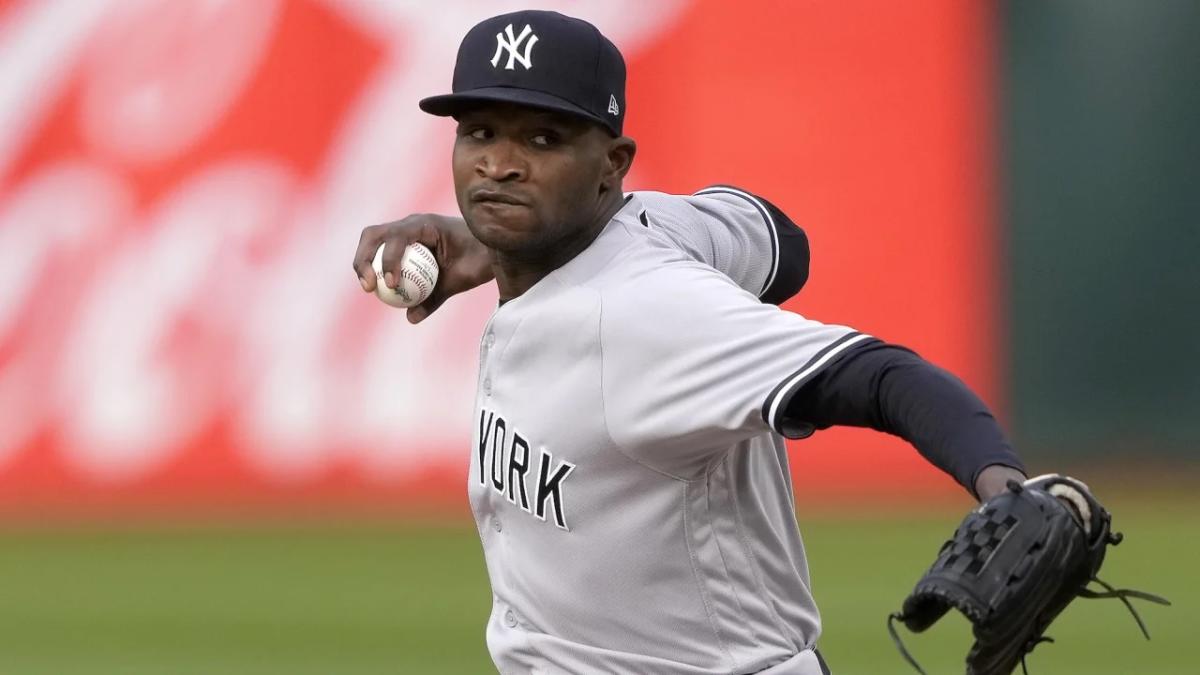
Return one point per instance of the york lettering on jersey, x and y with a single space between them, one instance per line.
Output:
505 465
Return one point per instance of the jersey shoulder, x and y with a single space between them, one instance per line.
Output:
655 288
717 202
735 231
641 262
701 224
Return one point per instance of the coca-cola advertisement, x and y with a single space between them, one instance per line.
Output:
182 185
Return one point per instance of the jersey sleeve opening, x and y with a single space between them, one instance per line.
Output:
774 410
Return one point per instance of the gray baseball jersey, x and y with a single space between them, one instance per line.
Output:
628 475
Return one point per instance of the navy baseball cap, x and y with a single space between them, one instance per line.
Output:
539 59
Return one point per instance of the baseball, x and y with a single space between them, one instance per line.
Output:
418 275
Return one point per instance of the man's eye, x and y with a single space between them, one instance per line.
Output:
544 140
479 134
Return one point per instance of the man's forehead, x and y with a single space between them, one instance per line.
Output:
518 113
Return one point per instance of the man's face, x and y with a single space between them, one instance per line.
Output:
527 179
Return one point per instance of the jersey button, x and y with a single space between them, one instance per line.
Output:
490 340
487 386
510 619
496 524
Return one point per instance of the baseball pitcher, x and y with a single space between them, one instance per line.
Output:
636 383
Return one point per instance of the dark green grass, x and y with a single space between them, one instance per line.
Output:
368 597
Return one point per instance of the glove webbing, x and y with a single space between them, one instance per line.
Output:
1122 594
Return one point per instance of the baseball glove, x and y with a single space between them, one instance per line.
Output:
1013 565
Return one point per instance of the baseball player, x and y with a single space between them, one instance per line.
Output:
628 472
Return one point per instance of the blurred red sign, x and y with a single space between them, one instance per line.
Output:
182 185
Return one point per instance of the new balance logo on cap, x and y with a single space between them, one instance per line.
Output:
512 44
613 108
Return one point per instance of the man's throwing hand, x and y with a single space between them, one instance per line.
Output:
464 263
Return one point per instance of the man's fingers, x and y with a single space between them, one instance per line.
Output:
366 274
395 237
425 233
368 241
422 311
398 238
417 314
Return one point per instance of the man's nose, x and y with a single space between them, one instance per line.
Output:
503 162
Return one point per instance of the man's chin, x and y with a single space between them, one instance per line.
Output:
501 234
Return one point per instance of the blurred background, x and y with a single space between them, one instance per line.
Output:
217 455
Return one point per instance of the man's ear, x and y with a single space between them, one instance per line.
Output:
619 159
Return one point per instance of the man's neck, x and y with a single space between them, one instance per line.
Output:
515 275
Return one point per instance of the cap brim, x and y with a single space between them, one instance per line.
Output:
448 105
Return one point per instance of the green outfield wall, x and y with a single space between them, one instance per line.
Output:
1099 145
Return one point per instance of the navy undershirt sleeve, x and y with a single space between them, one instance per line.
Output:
891 389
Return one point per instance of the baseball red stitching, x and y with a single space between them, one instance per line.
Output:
416 280
425 253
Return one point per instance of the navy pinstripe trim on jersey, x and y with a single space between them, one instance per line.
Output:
766 216
773 408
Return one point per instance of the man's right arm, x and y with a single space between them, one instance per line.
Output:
741 235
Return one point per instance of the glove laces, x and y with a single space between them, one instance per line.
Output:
1029 649
892 618
1122 594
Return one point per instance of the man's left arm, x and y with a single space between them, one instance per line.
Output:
891 389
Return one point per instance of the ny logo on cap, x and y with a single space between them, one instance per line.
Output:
512 44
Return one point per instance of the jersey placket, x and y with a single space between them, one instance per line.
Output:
490 523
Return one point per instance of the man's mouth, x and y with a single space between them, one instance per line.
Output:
483 196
